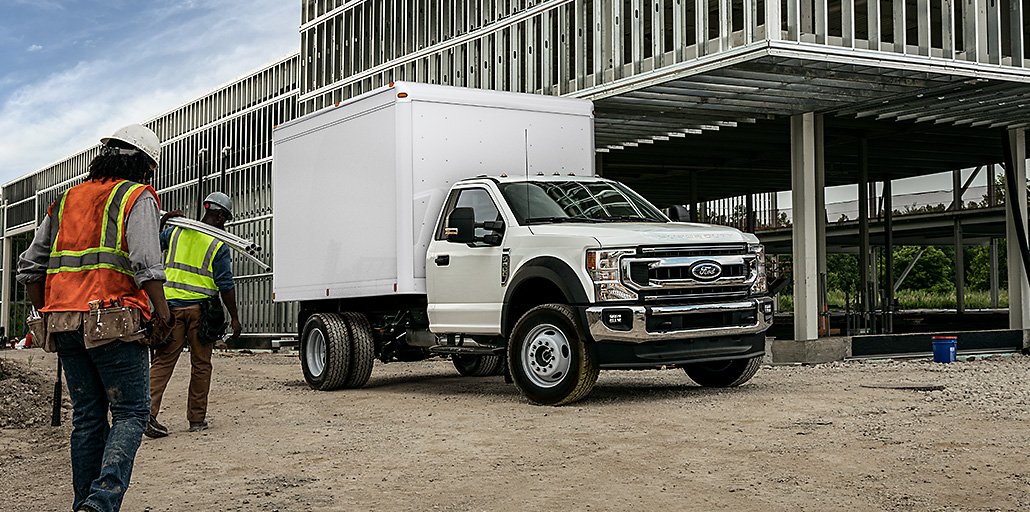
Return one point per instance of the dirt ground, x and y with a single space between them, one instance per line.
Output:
420 437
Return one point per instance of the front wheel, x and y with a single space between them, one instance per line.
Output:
548 358
723 374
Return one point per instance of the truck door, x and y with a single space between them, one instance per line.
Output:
463 281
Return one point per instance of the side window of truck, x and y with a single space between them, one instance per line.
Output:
481 203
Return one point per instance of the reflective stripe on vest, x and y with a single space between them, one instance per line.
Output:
189 265
110 253
89 254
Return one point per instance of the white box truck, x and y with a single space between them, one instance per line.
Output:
419 220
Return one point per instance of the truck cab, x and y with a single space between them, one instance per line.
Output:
572 274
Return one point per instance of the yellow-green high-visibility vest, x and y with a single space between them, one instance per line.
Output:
189 265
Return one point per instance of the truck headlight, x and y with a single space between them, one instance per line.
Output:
605 269
761 284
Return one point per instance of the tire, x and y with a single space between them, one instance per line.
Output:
723 374
548 358
362 346
325 351
477 366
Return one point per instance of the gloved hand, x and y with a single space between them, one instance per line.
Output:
169 215
162 329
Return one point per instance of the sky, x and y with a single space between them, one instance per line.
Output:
73 71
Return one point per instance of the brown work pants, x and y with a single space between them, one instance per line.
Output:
164 357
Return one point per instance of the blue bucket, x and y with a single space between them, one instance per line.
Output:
944 349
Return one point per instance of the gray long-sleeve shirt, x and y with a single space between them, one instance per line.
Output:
142 228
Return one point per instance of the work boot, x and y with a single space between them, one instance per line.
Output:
155 430
198 426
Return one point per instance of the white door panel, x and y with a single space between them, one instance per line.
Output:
464 280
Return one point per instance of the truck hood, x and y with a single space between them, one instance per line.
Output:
647 233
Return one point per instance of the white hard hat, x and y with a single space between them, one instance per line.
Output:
139 137
218 201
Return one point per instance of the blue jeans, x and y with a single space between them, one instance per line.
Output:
114 377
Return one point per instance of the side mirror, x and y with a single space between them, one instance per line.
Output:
497 226
679 213
461 226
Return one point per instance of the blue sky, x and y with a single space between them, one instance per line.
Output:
72 71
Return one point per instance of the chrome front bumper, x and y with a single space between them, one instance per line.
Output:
635 331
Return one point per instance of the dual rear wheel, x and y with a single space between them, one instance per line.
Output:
337 350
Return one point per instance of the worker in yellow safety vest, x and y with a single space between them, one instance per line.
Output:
198 271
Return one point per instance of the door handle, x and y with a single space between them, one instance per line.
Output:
443 260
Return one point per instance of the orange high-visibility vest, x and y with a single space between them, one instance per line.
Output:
89 256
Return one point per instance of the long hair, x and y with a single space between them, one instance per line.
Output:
111 164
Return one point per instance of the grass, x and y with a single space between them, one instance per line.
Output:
914 299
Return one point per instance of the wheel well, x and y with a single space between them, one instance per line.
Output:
529 294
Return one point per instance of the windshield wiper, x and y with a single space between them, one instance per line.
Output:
559 220
629 218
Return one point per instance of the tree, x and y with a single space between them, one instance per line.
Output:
935 270
978 260
842 273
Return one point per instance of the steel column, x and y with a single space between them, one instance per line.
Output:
888 280
863 224
960 265
1019 291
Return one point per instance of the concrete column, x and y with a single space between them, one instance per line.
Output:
599 164
805 242
1019 292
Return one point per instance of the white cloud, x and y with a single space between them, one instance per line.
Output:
70 109
34 48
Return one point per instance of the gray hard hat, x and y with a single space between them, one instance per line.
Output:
219 201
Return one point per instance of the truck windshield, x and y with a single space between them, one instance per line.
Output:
543 202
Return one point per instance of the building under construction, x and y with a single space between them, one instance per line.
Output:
695 101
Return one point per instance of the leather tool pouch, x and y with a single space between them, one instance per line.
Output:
38 330
114 323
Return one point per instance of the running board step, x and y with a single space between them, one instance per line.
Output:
464 350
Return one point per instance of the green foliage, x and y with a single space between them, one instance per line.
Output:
786 302
912 299
842 273
978 266
935 270
930 283
926 208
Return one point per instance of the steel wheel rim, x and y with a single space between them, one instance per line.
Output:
546 356
315 353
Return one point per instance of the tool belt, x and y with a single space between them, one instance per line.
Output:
100 325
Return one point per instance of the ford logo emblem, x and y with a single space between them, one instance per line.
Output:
706 270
